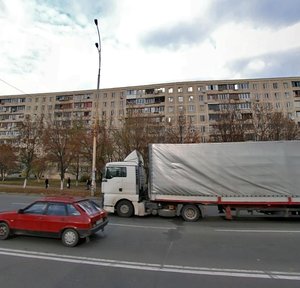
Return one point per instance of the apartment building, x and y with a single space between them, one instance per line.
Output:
199 102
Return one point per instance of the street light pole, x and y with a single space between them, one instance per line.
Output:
98 46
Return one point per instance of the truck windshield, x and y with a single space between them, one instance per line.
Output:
112 172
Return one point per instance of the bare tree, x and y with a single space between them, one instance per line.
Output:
232 124
104 149
181 131
80 137
59 142
7 159
29 143
137 132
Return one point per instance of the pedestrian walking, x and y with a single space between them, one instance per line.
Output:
88 184
46 183
69 183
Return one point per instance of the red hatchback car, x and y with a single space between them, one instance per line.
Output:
68 218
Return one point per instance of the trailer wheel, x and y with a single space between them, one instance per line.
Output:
190 213
124 208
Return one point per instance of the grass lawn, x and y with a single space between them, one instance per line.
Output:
38 187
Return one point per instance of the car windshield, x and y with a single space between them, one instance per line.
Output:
89 207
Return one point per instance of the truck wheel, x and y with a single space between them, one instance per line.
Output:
124 208
190 213
70 238
4 231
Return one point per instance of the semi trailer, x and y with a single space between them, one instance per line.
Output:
183 179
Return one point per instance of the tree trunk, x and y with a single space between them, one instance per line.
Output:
25 183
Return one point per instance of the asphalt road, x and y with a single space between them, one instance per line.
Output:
158 252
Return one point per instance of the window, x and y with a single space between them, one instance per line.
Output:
296 83
112 172
192 119
255 86
179 90
285 85
244 95
275 85
170 90
202 118
72 211
90 207
266 95
277 105
277 95
180 99
171 99
190 89
191 108
36 208
191 98
56 209
201 98
265 85
171 109
286 94
180 108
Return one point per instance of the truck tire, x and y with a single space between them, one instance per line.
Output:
124 208
190 213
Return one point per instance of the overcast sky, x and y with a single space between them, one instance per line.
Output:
49 45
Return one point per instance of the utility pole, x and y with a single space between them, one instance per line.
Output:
98 46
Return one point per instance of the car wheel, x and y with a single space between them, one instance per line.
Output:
70 238
124 208
4 231
190 213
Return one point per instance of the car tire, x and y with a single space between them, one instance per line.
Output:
70 237
4 231
190 213
124 208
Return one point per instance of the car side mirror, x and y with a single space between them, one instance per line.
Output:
20 211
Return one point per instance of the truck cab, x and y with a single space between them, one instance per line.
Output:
124 186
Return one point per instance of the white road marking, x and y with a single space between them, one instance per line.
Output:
153 267
141 226
256 231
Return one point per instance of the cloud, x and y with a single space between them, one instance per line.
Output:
175 36
272 14
278 64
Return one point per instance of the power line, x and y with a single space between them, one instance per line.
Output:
13 86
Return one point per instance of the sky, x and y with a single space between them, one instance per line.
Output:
49 45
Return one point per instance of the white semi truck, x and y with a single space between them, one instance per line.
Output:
185 178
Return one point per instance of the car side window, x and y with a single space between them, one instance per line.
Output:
36 208
72 211
56 209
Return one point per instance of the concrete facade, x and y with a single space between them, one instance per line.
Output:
198 101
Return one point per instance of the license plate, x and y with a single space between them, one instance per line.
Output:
99 221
